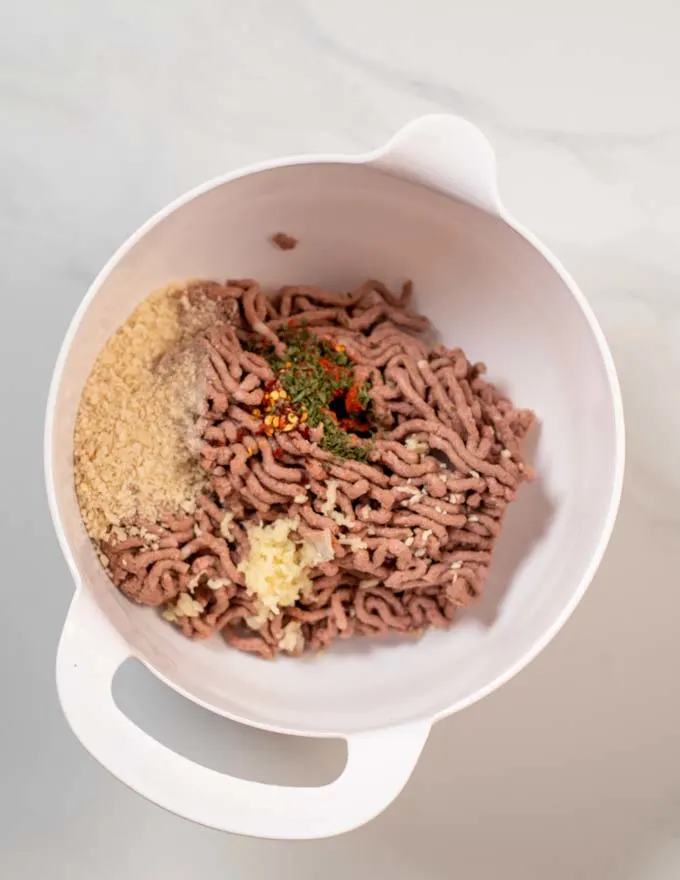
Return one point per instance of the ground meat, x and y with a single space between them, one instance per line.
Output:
284 242
411 528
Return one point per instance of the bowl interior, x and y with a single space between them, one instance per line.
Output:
485 288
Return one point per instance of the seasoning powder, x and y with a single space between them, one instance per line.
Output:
132 438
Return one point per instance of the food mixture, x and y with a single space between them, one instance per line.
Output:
291 469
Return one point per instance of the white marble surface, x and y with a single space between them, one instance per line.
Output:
109 110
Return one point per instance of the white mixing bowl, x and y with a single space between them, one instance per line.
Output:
423 207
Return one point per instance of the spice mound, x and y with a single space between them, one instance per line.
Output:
316 383
294 468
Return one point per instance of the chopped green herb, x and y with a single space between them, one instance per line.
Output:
314 374
364 397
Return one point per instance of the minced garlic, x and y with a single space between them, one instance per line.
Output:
225 527
218 583
291 638
276 567
331 497
353 542
321 543
416 445
184 607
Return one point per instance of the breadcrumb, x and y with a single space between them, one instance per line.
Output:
131 442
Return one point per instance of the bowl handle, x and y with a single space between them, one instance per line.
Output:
378 763
446 153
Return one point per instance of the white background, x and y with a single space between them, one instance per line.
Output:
107 111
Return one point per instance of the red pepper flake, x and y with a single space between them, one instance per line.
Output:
352 404
278 454
352 425
335 371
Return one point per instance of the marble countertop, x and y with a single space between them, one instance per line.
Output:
110 110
